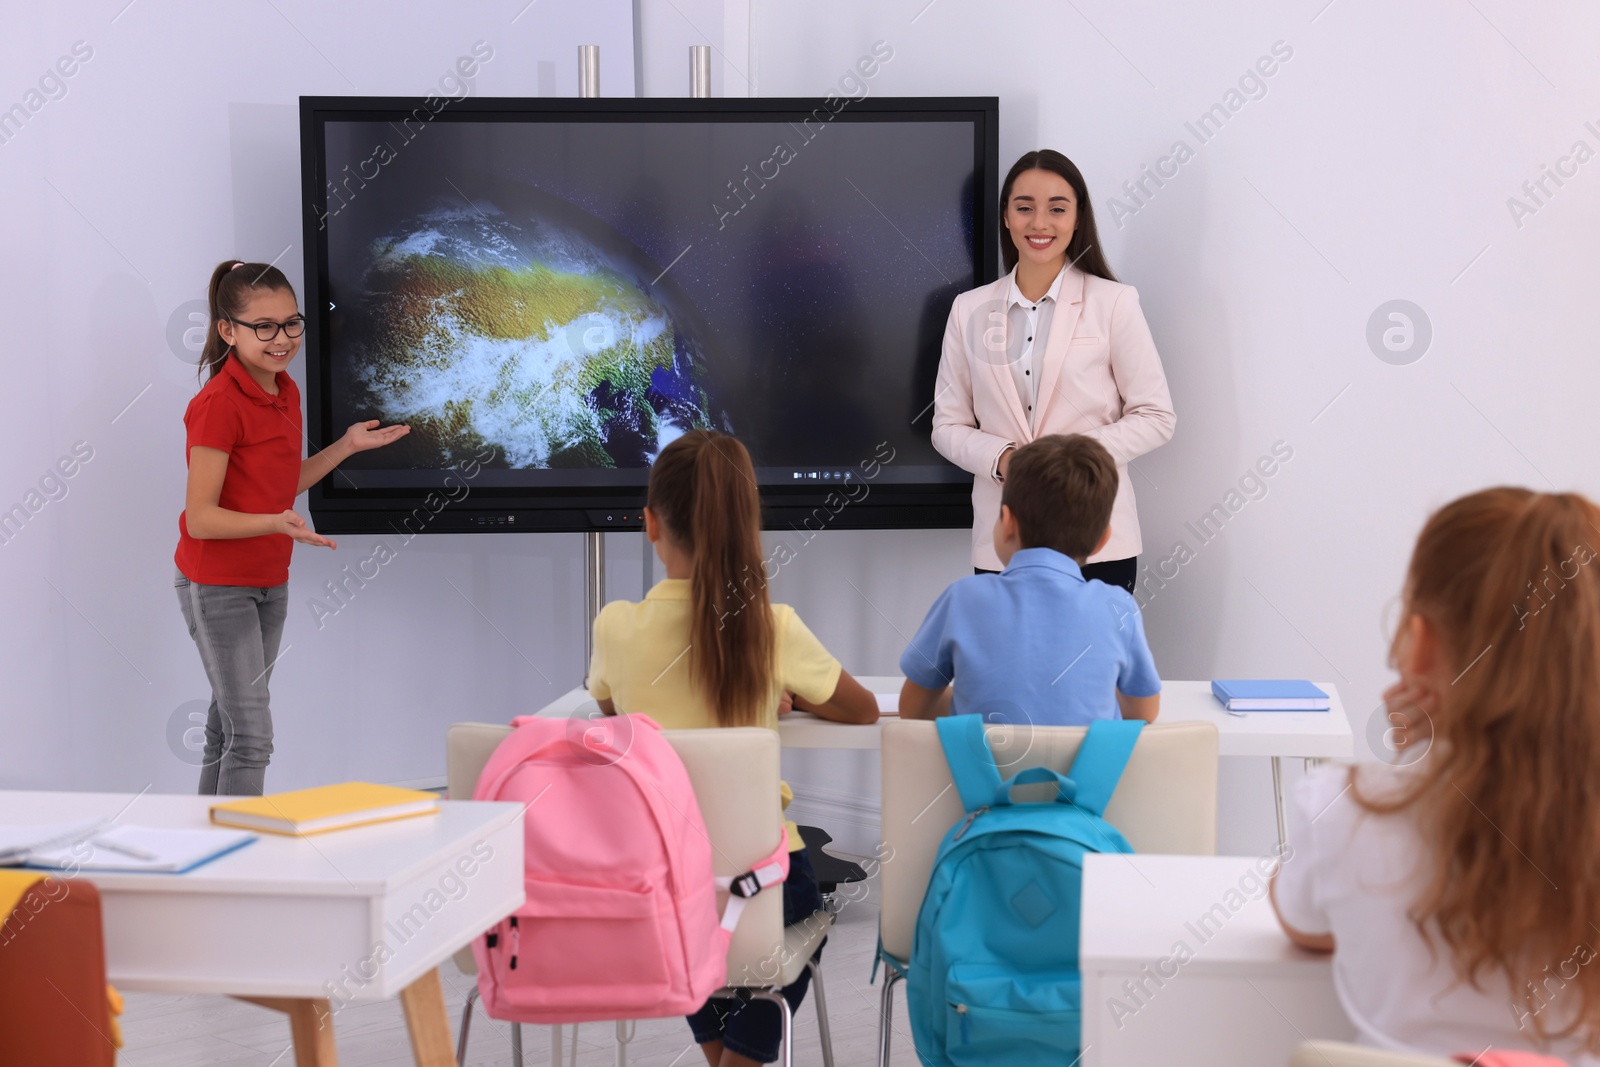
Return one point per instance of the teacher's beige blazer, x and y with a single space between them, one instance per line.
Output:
1099 376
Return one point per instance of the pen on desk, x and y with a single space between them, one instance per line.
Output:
126 850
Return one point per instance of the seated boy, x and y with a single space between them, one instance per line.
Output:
1037 643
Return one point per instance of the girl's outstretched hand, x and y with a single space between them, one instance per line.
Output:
785 703
293 525
364 436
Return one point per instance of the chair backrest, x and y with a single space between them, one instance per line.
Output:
735 777
467 747
1339 1054
55 1009
1166 801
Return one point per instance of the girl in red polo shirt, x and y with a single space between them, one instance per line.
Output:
238 525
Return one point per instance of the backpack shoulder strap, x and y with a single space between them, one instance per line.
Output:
971 760
1100 761
741 887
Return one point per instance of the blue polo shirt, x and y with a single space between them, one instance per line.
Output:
1035 643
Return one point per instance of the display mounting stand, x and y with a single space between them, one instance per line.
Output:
594 590
594 545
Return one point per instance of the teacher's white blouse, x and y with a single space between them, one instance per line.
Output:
1028 321
1099 375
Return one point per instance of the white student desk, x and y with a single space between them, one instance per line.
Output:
305 925
1244 998
1276 734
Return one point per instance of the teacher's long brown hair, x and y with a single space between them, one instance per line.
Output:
1506 798
703 489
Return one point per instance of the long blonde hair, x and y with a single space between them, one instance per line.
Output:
703 487
1507 798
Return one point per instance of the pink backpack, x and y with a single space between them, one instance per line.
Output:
620 920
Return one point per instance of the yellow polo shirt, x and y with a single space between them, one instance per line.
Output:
641 663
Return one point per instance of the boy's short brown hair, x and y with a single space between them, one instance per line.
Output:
1060 488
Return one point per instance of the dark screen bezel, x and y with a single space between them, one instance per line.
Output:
342 509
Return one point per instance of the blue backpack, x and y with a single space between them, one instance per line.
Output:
994 976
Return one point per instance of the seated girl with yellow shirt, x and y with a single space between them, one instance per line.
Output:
706 647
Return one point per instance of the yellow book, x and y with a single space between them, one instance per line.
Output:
327 807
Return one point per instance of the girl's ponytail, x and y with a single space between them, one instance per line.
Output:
703 488
232 285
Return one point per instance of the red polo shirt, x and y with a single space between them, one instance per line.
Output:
262 437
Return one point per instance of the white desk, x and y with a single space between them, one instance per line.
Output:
1275 734
305 925
1245 998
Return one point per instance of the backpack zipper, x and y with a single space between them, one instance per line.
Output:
961 1010
966 823
516 942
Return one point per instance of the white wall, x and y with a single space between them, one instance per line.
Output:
1377 166
176 146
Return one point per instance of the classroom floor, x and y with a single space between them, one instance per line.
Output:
166 1030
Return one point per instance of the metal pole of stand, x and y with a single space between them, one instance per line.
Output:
700 87
594 546
700 70
648 563
588 70
594 590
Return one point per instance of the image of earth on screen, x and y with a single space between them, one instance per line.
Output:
571 296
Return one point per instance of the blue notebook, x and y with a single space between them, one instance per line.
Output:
1268 694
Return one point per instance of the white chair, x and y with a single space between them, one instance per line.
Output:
1166 802
1339 1054
467 748
743 813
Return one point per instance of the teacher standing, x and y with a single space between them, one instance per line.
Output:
1057 345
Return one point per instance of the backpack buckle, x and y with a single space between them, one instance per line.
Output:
745 885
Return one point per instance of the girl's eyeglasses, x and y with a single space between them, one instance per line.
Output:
266 331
